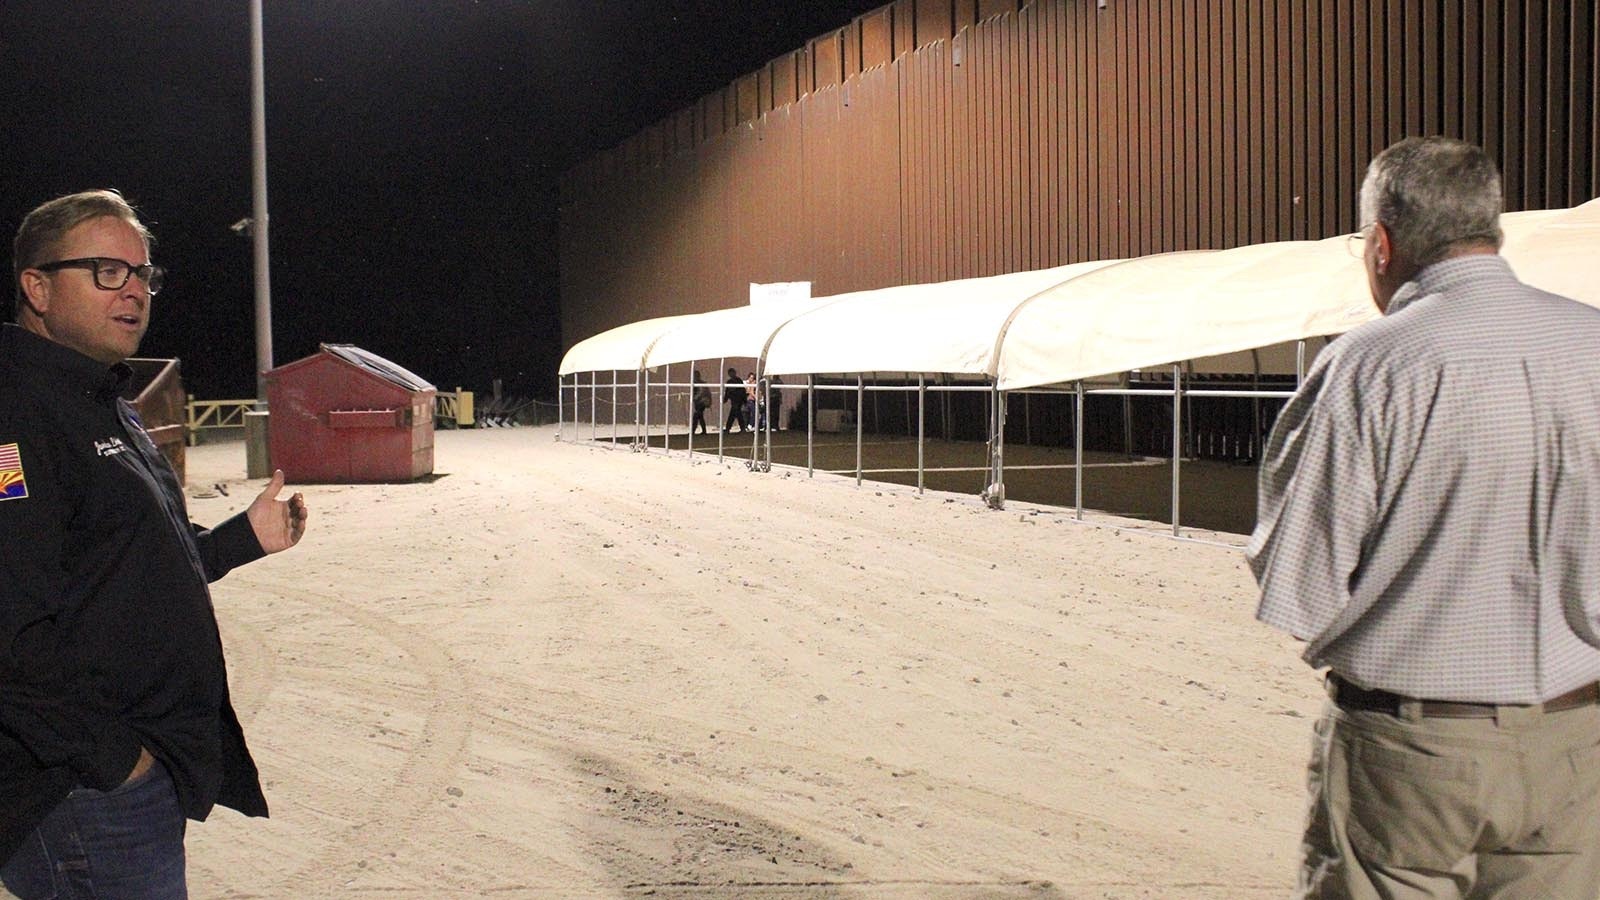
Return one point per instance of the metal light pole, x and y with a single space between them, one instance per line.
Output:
258 197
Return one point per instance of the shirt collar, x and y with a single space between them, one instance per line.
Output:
1445 276
56 362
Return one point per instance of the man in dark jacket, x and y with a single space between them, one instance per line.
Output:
735 395
115 722
702 402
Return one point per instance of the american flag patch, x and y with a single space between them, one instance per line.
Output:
13 485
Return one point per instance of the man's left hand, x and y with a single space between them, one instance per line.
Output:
278 524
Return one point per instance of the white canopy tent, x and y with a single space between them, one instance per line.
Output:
1557 250
1183 306
735 333
622 348
739 332
955 326
1212 304
1094 318
1246 309
948 327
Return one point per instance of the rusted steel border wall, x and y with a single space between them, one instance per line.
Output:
937 139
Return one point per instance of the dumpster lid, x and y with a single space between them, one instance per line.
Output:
376 364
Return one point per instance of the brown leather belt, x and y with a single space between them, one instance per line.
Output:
1349 696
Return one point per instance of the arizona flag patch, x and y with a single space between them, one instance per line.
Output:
13 484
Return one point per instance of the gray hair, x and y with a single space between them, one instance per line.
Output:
1435 195
41 232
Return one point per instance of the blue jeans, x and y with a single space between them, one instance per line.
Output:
123 844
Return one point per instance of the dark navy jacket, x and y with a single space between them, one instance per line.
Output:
108 641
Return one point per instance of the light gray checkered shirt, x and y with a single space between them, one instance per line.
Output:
1429 516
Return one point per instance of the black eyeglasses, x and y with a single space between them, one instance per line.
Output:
111 274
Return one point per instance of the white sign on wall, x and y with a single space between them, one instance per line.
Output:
779 292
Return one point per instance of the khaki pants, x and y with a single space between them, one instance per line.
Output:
1406 808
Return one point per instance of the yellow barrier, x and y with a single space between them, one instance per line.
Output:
454 407
207 414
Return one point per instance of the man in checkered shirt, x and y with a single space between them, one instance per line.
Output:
1429 525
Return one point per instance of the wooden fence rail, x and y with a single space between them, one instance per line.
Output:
453 408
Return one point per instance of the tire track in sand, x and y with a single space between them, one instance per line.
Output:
372 844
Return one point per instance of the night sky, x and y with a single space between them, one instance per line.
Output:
414 155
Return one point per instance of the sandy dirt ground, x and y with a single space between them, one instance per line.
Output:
560 670
1214 495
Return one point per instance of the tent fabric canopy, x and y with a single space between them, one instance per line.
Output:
623 348
1557 251
1084 320
742 331
1178 306
947 327
1174 307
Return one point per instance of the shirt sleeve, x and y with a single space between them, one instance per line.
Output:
1573 550
227 546
44 705
1317 501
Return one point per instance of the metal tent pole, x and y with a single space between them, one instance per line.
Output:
594 403
1255 404
908 408
1177 439
922 423
877 408
645 447
755 436
861 393
988 438
1077 440
811 423
690 451
561 406
997 460
944 417
1193 442
638 376
722 364
1127 417
613 407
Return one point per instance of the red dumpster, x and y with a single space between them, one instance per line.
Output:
347 415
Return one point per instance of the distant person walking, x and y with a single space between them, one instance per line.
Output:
1429 525
702 402
750 398
734 396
